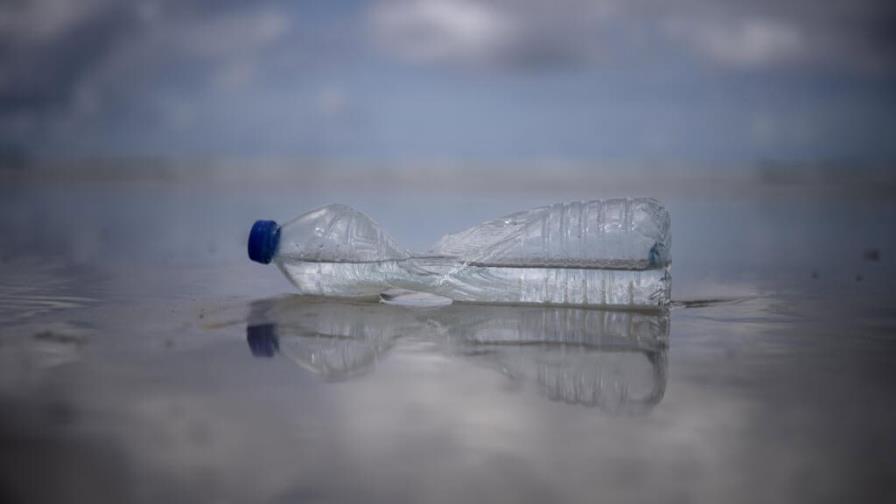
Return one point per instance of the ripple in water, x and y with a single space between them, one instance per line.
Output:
28 290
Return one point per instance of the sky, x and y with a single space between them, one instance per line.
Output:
619 80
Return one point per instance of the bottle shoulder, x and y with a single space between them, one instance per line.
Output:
337 233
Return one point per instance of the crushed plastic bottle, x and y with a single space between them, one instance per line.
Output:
602 253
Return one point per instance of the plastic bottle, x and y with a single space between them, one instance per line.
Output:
603 253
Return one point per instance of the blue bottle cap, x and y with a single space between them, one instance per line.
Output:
263 241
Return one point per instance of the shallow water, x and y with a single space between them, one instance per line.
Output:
144 359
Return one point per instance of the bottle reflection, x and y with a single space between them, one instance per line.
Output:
612 360
332 339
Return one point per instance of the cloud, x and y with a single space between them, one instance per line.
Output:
49 45
62 63
742 42
442 30
43 55
37 21
527 33
512 34
842 36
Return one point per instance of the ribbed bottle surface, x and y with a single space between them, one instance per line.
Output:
617 233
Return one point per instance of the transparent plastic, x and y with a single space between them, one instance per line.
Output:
601 253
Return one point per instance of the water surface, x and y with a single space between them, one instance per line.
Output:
144 359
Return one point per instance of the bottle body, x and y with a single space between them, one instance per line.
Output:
601 253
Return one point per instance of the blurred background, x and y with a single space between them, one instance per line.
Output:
780 90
